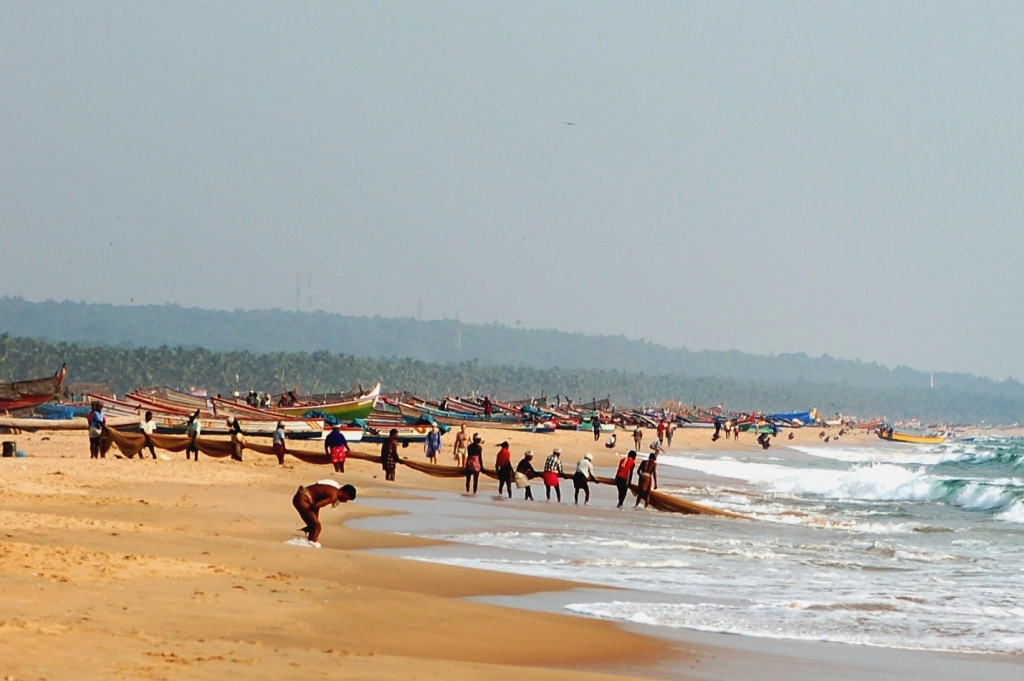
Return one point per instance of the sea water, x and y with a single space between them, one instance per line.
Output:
885 545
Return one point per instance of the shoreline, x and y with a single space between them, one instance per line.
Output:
711 654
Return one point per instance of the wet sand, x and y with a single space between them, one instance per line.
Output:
170 569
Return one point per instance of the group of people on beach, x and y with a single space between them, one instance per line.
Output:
468 454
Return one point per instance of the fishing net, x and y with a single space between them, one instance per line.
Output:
131 444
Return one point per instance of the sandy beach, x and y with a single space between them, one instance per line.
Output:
170 569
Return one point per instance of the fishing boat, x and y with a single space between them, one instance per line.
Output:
346 410
170 419
911 438
414 413
32 392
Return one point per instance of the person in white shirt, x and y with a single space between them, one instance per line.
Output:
279 447
148 427
583 476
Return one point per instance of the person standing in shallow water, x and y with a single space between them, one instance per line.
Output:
624 475
474 462
582 477
553 474
389 455
647 479
524 473
503 467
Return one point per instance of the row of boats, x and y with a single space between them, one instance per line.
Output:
368 416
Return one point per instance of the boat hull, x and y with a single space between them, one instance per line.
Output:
349 410
910 438
30 393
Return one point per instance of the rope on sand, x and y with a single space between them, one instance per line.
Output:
131 444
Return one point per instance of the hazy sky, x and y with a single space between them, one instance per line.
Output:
842 178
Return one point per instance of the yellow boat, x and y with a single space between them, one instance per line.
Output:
911 438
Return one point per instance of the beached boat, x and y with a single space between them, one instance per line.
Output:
32 392
414 413
36 424
346 410
911 438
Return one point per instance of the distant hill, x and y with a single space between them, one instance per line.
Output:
448 341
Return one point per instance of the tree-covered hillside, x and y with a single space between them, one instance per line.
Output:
450 342
126 367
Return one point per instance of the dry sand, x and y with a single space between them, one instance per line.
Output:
169 569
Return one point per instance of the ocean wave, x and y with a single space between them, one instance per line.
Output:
880 622
869 482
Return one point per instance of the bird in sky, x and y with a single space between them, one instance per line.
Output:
567 123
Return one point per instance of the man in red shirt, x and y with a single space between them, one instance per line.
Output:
624 475
503 467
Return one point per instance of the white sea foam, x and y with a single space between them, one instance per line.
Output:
863 482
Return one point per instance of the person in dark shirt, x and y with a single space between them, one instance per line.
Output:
336 446
503 467
624 475
524 473
474 462
389 455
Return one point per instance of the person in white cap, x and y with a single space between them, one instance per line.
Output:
583 476
553 474
524 473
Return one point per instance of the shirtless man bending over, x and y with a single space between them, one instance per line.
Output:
309 499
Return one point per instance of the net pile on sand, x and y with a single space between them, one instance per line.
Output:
131 444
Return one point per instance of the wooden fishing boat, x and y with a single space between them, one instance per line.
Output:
37 424
414 413
910 438
171 420
346 410
29 393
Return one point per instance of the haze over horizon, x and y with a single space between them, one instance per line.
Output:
839 179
